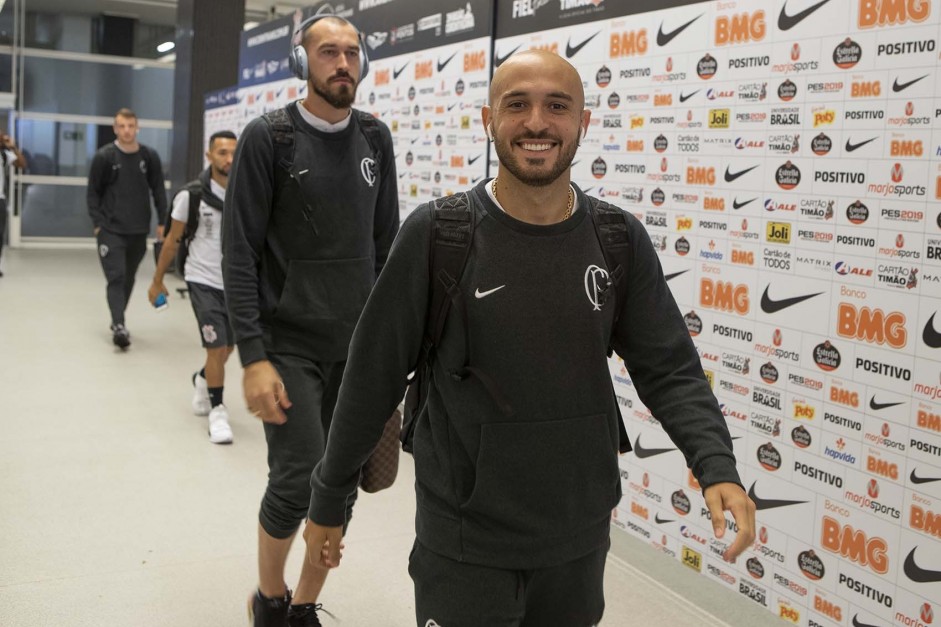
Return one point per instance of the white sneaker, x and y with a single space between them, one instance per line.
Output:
201 404
219 430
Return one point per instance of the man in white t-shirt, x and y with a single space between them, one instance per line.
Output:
10 155
201 232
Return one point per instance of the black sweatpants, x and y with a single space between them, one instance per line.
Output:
3 222
120 255
295 447
449 593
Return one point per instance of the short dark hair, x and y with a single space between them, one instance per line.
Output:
221 135
124 112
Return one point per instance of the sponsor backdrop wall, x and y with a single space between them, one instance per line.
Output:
785 158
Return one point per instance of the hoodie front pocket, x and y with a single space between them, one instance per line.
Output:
334 289
545 478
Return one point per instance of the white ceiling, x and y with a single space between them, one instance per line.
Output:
158 11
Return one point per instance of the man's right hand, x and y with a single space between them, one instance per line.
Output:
265 394
156 289
97 231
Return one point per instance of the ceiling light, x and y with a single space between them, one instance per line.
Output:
166 46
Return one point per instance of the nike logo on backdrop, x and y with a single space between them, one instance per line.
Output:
738 205
729 176
661 521
920 480
571 51
851 147
856 622
918 574
441 65
670 277
897 86
480 294
501 58
770 306
761 503
644 453
665 38
874 406
787 22
931 337
685 97
471 160
397 71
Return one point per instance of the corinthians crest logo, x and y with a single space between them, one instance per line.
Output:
368 169
597 283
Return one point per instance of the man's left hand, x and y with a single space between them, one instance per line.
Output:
159 233
721 497
324 545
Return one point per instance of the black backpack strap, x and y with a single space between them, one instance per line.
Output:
612 231
195 189
369 125
282 137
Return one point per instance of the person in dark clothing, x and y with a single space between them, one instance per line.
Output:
10 155
123 178
303 242
514 510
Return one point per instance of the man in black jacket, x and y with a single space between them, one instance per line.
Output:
311 212
514 503
123 178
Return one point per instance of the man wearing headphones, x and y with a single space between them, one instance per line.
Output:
312 209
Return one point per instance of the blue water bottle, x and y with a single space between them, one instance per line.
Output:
161 303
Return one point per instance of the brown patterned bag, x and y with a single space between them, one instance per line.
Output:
380 469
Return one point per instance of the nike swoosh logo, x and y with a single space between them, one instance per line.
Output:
451 106
897 86
500 59
738 205
729 177
480 294
662 521
770 306
396 72
415 140
874 406
851 147
670 277
920 480
918 574
857 623
787 22
761 503
931 337
471 161
665 38
441 65
403 174
571 51
644 453
477 178
685 97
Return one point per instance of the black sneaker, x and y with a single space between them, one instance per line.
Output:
305 615
265 612
121 337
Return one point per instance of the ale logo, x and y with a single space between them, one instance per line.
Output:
801 437
769 457
857 213
795 52
603 77
693 323
707 67
788 176
897 173
847 54
811 565
873 489
827 357
599 168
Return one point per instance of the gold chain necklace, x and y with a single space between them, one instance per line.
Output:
568 210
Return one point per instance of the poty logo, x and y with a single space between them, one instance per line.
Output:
596 286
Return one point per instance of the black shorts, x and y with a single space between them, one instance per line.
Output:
211 315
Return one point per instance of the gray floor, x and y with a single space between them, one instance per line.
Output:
115 510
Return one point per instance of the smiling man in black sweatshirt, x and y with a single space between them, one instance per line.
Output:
514 507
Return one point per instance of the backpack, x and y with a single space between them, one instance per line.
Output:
452 232
111 151
281 127
199 190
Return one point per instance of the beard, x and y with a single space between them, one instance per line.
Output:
519 170
338 96
219 172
